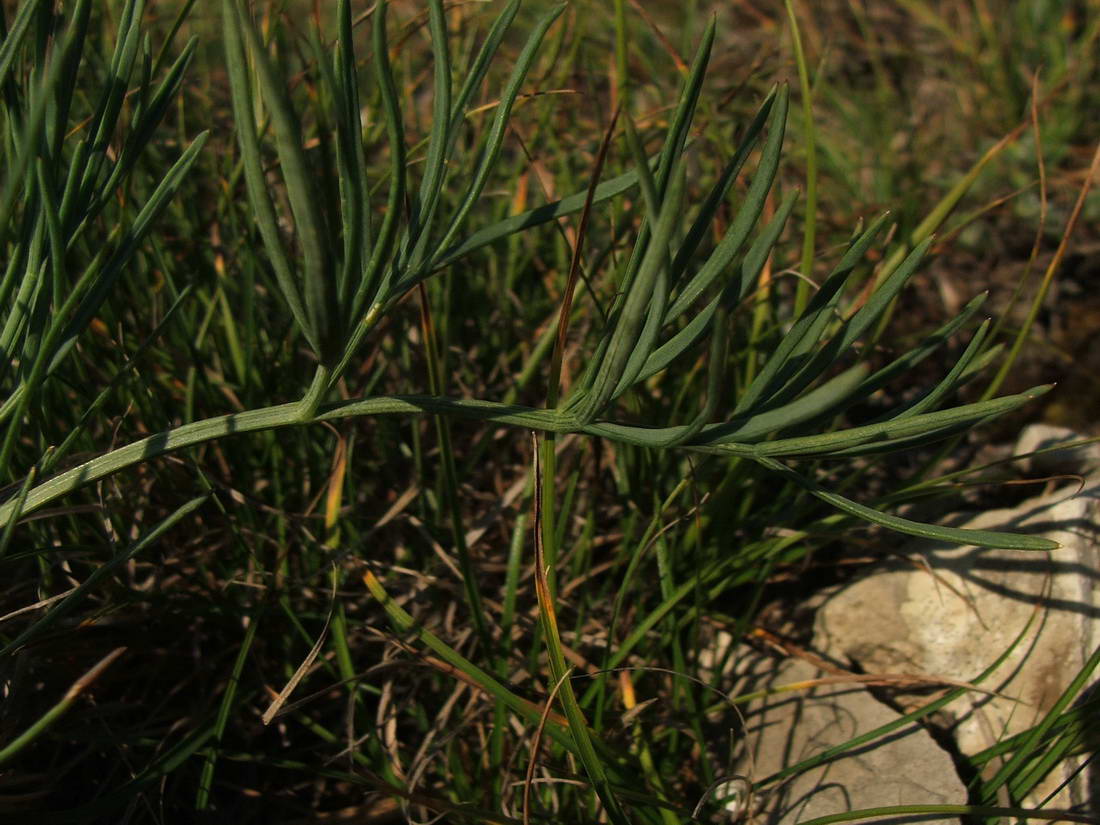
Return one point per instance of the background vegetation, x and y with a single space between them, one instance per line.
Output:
338 613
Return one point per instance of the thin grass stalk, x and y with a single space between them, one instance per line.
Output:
470 577
578 726
44 722
1048 278
495 138
319 280
809 135
248 140
225 708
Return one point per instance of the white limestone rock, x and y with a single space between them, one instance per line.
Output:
951 611
905 767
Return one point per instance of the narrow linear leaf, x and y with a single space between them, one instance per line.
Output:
791 354
954 535
751 208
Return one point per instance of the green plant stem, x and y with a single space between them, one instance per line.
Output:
470 576
810 230
554 421
58 710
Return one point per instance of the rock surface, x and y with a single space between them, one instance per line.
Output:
950 612
904 767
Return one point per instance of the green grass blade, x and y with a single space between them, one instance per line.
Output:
673 147
953 535
751 208
478 69
495 138
624 337
374 284
809 133
910 359
255 178
128 246
841 343
895 724
793 351
66 605
933 397
225 707
439 141
13 39
404 623
319 280
825 444
718 192
761 248
13 748
1029 745
351 160
527 220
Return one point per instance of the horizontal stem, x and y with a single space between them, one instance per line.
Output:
281 415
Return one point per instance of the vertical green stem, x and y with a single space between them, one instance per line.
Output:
808 238
450 481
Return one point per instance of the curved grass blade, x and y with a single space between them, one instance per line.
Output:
147 118
687 337
899 723
405 623
531 218
63 607
655 312
105 121
351 161
953 535
91 290
738 432
128 246
417 270
28 736
380 270
624 337
825 444
910 359
716 372
1012 767
951 381
721 188
439 141
761 248
13 39
673 147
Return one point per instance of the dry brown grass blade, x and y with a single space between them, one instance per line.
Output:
575 264
681 64
281 697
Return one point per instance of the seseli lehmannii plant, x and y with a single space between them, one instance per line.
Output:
344 248
348 274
